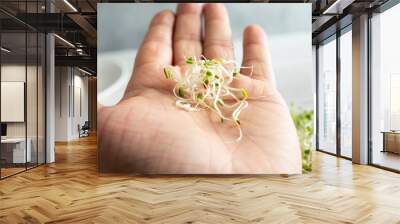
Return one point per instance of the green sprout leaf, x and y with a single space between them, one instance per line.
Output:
181 92
236 73
189 61
244 92
168 73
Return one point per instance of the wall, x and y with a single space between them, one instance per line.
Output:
71 102
14 73
360 90
62 81
33 127
92 110
17 73
80 109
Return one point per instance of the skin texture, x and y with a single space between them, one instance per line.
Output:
147 134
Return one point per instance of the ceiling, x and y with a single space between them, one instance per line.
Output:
332 15
76 22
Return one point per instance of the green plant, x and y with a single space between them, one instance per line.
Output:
303 119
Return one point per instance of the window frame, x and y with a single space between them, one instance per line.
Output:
381 9
334 37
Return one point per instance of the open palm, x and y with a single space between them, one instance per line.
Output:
147 133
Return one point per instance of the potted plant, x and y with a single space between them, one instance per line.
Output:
303 119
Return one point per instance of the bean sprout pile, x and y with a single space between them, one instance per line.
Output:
207 84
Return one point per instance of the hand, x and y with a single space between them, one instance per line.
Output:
147 133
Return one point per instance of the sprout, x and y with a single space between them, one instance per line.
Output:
181 92
206 85
189 61
236 72
244 92
168 73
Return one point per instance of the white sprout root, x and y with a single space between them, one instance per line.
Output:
206 86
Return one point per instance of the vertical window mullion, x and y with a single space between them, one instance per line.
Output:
26 86
37 89
338 73
317 97
369 90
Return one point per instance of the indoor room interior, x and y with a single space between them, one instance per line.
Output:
48 157
27 94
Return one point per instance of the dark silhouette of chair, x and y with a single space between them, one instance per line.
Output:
84 130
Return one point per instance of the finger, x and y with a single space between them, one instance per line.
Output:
255 88
157 44
218 34
187 36
155 52
256 55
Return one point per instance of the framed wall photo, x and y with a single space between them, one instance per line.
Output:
189 112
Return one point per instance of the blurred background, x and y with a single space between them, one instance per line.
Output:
121 28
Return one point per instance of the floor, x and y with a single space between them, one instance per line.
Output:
71 191
388 159
10 171
13 170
